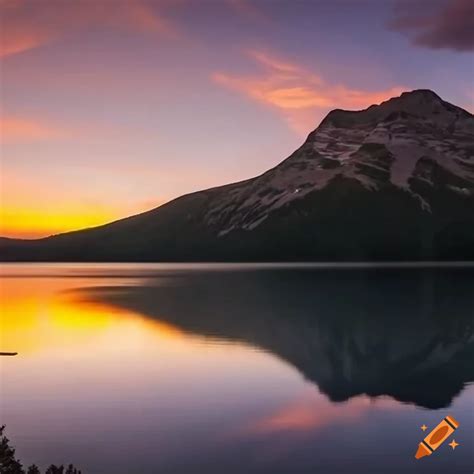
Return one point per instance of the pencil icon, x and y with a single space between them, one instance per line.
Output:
437 437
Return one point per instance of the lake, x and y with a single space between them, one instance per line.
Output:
167 368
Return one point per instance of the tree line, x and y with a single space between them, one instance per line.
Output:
9 464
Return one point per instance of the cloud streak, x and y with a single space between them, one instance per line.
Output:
28 24
448 24
298 94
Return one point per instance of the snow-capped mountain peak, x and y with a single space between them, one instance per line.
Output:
405 141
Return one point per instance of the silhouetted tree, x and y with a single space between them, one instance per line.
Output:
55 469
8 463
72 470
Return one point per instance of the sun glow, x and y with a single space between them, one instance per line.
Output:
30 224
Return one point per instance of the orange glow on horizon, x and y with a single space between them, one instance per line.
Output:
31 221
32 224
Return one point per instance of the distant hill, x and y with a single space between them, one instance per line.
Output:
392 182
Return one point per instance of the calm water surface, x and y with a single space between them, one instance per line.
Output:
134 369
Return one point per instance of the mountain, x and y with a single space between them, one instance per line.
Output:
392 182
407 334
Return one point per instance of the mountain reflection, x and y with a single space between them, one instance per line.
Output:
405 333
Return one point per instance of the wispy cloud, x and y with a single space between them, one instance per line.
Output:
28 24
298 94
447 24
275 63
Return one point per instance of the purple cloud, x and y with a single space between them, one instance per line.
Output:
447 24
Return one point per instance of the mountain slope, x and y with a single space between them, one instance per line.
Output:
392 182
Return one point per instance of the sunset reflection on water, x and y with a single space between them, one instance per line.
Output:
100 371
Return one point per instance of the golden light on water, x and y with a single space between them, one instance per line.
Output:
36 316
49 315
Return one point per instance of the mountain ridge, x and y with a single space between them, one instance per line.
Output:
411 158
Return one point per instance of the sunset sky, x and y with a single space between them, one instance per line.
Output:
112 107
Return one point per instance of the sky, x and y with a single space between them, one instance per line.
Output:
114 107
